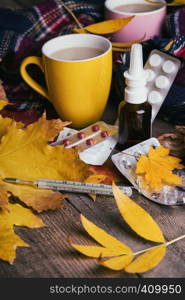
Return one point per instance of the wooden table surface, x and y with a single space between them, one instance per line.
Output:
50 254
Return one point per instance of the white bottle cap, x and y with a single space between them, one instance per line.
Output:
136 77
161 82
168 67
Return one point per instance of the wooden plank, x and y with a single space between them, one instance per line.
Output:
170 220
50 254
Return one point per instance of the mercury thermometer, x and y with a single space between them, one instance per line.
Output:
71 186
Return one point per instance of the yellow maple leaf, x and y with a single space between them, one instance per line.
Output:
5 123
3 199
40 200
3 103
25 153
105 27
156 169
9 241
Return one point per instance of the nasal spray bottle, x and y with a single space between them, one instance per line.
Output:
134 111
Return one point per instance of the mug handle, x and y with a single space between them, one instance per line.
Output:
30 81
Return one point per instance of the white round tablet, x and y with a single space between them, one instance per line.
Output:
168 67
151 75
155 60
161 82
154 97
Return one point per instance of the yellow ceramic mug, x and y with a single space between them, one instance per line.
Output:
78 88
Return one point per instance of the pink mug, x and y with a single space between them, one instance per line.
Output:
147 22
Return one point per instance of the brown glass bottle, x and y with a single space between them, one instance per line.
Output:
134 124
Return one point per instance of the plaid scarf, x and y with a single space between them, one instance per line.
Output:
24 31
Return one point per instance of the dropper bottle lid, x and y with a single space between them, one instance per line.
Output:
136 77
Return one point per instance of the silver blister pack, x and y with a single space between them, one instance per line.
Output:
126 164
162 70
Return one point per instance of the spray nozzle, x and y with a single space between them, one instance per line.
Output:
136 60
136 76
136 70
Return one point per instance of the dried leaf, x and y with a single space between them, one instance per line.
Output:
3 103
137 218
3 199
21 216
38 199
147 261
5 123
173 3
127 44
112 247
25 153
156 168
16 215
96 251
109 170
105 27
103 237
8 244
96 178
117 263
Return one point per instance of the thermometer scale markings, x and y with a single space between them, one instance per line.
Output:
71 186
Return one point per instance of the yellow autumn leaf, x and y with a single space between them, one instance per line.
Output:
147 261
21 216
117 263
26 154
9 241
39 199
137 218
111 246
3 103
156 169
173 3
96 251
127 44
105 27
95 178
103 237
5 123
3 199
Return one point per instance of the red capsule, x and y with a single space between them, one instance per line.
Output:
95 128
90 142
104 134
66 142
81 135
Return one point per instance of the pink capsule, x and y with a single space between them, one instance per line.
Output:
81 135
90 142
66 142
104 134
95 128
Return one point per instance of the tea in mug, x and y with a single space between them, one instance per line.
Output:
77 53
137 7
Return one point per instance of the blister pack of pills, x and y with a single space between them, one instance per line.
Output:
94 143
162 70
126 163
90 136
